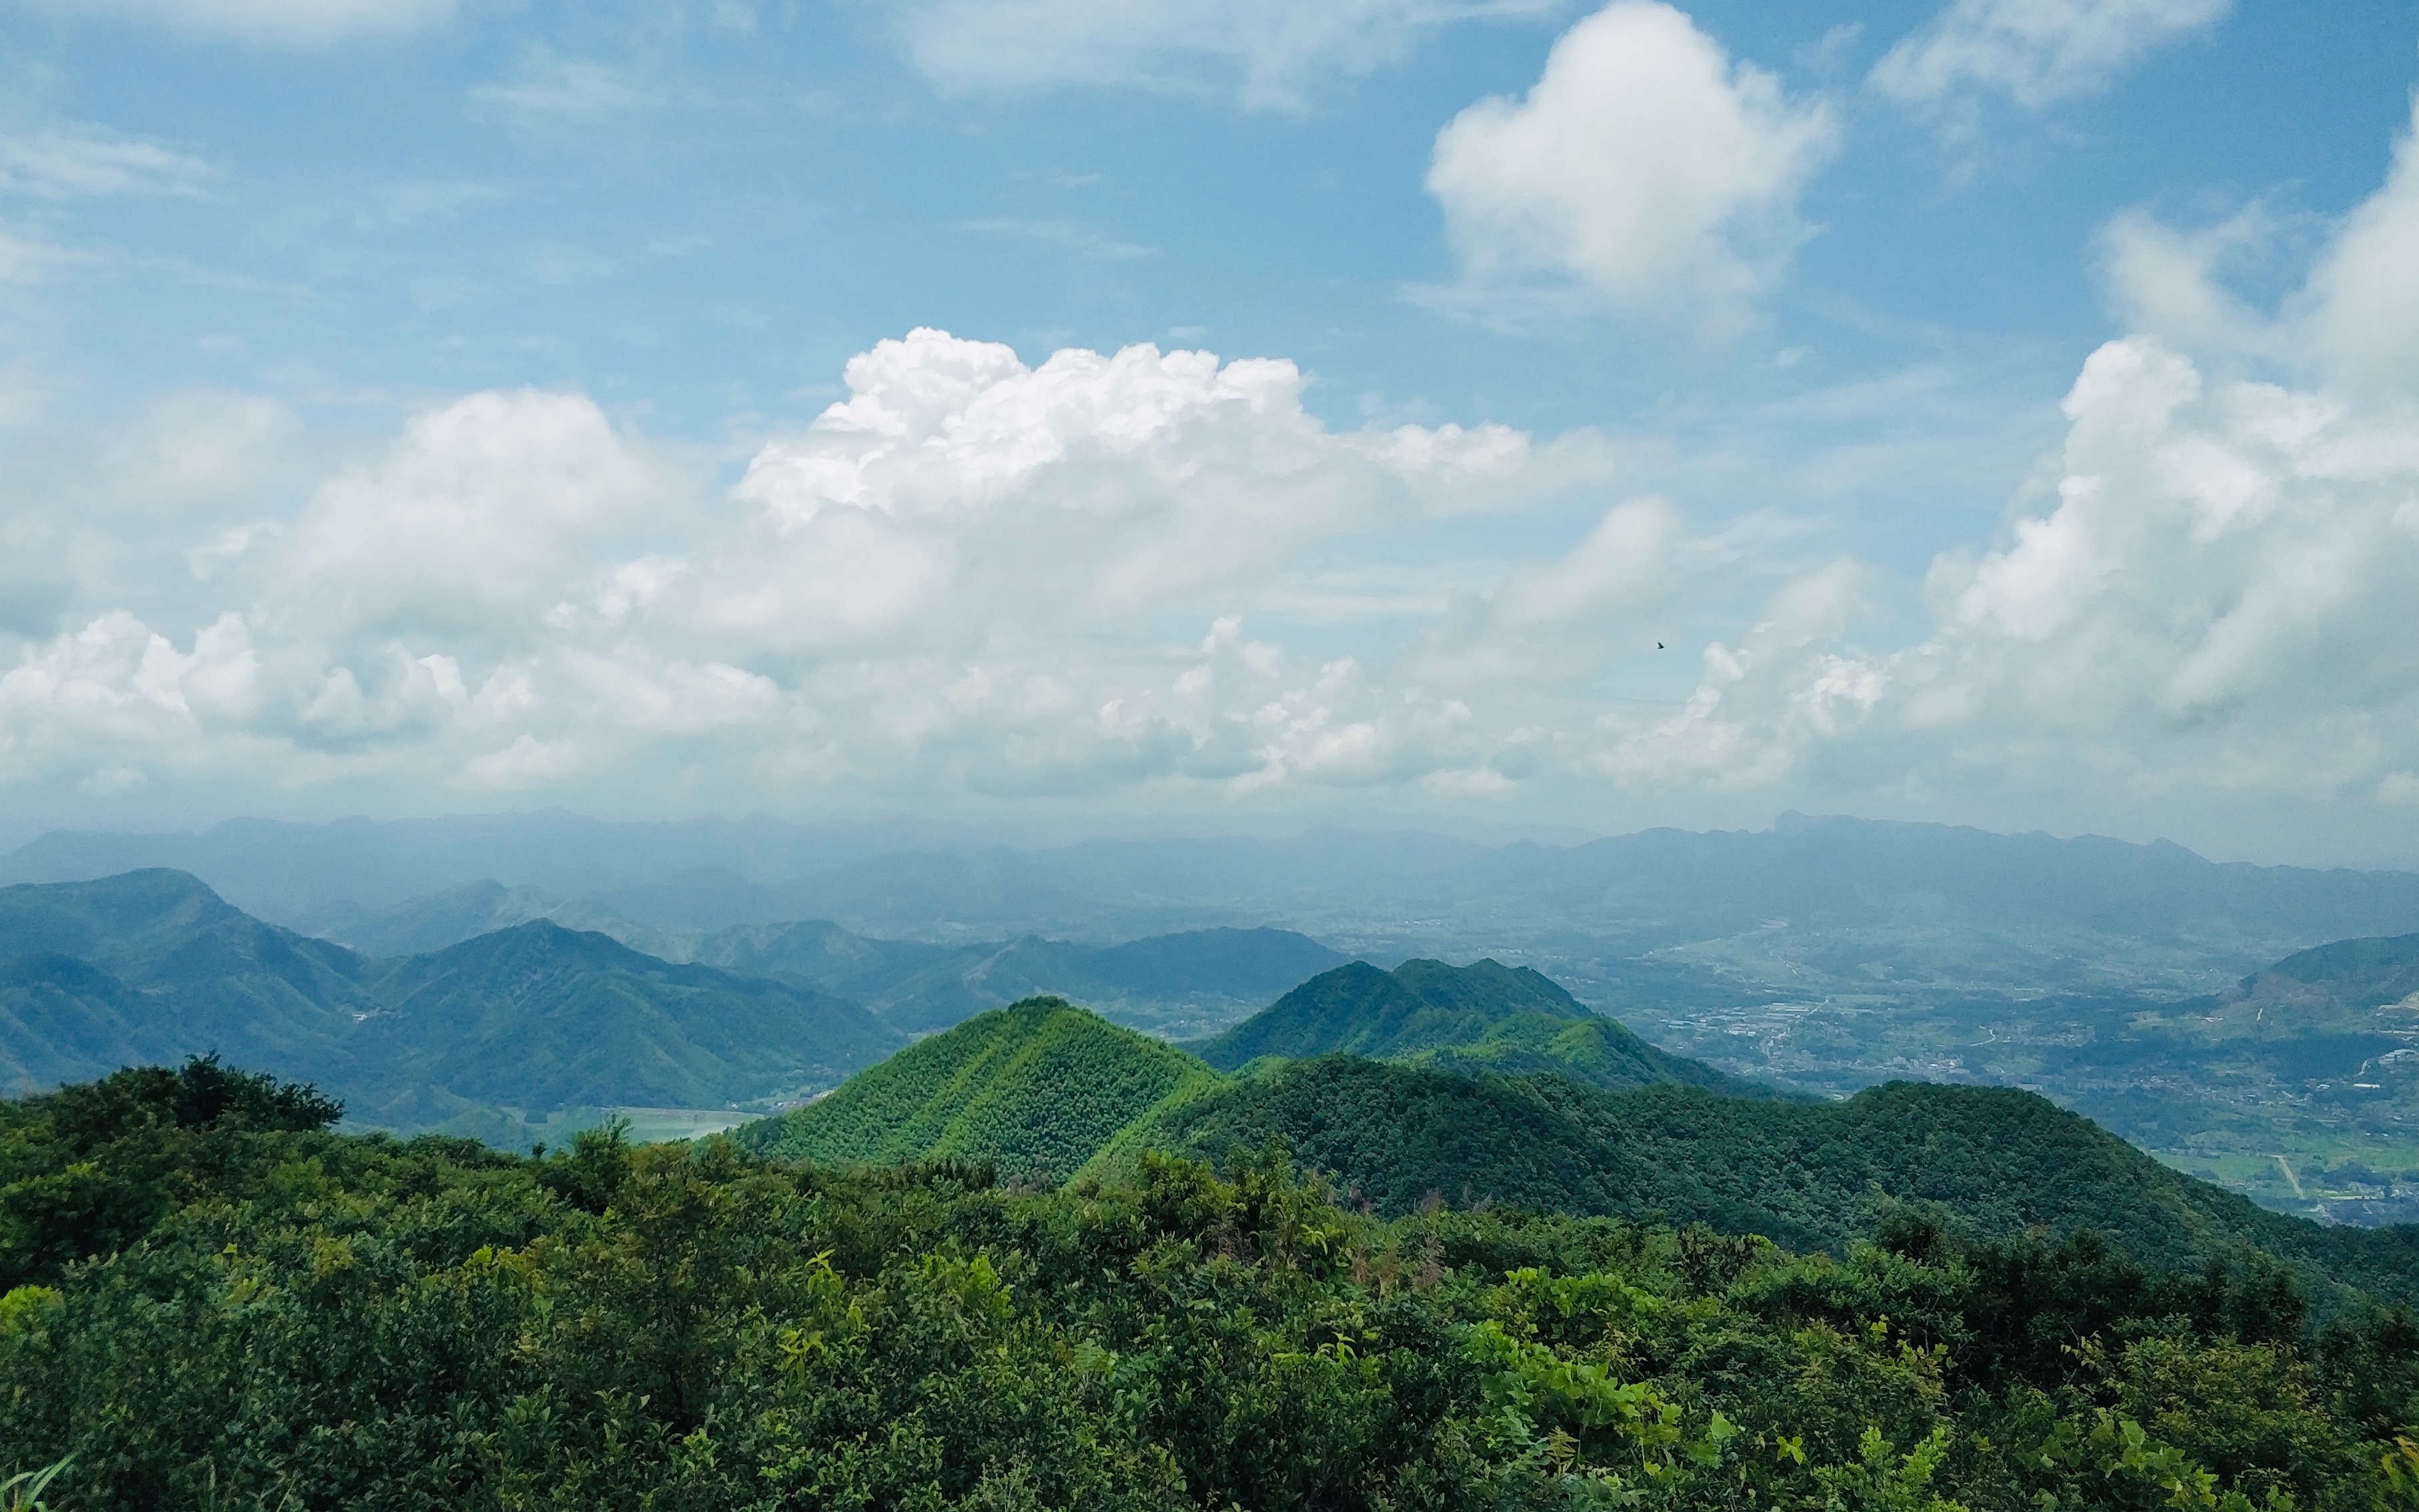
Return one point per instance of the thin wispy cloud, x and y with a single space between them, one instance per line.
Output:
72 161
1083 241
548 90
283 23
1263 53
2034 52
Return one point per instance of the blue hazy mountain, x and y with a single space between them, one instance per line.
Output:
152 966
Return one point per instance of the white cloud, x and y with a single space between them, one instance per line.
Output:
1268 52
1644 168
69 159
976 580
2210 597
271 23
2352 326
2360 311
479 518
24 261
2034 52
1081 240
1091 486
970 575
2168 282
548 89
1557 621
2218 599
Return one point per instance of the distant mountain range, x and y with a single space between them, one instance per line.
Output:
1177 984
1822 954
1843 900
529 1027
534 1020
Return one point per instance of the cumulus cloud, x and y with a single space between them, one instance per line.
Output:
466 525
1091 486
2359 313
1267 53
2218 597
975 578
2212 595
2034 52
970 573
2352 326
271 23
1645 169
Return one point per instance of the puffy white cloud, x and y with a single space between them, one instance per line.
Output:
1762 707
1093 487
1645 167
484 514
2218 597
970 575
2359 314
1269 52
271 22
978 579
2210 597
2033 51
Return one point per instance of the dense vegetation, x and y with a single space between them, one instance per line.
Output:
1810 1175
1043 1087
1037 1090
1484 1015
208 1300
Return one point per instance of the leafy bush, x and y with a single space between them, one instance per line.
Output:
287 1317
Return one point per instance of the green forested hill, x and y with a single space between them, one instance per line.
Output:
1037 1087
208 1300
1358 1010
1481 1016
539 1017
1810 1175
153 966
2348 976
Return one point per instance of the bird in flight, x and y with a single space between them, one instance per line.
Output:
1658 645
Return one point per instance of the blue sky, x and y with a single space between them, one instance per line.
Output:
413 406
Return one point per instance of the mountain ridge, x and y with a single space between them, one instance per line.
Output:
1036 1089
1481 1016
154 967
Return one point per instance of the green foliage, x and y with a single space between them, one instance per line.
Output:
1483 1016
539 1017
1037 1089
294 1318
1811 1175
22 1491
